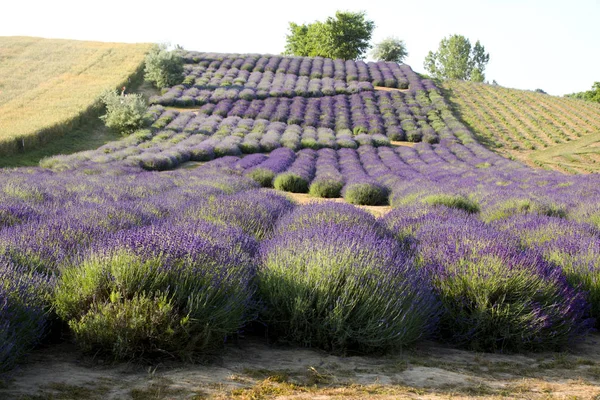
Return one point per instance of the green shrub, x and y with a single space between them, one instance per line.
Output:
163 68
452 201
326 188
341 288
174 290
290 182
263 176
124 113
369 194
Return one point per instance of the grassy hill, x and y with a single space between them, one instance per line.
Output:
48 87
541 130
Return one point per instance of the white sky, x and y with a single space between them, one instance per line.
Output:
552 45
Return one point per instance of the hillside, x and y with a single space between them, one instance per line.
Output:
543 131
48 86
178 243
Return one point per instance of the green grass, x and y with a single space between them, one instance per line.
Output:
49 86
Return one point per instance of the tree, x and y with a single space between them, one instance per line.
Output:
589 95
163 68
390 49
124 112
457 59
346 36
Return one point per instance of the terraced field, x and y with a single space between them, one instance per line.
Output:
49 86
131 258
543 131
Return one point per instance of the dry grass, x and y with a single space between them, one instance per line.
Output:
47 86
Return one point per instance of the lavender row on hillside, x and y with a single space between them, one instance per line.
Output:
399 116
232 67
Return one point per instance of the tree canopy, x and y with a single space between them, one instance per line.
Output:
163 68
457 59
346 36
589 95
390 49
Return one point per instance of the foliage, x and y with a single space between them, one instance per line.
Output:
175 289
590 95
457 59
346 36
23 311
163 68
290 182
365 193
459 202
326 188
496 296
341 288
263 176
390 49
125 112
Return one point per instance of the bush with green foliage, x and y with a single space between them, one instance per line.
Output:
365 193
163 68
346 36
390 49
343 288
263 176
326 188
174 290
290 182
125 112
453 201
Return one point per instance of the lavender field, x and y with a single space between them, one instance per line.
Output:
130 256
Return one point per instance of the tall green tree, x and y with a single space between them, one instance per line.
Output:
346 36
390 49
457 59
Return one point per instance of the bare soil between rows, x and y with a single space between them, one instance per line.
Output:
255 369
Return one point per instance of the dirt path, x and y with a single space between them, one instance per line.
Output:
304 198
256 370
387 89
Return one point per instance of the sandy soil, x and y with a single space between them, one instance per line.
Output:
387 89
304 198
407 144
253 369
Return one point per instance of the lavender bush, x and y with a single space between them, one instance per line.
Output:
159 290
24 298
343 288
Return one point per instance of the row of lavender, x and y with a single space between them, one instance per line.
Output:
400 116
177 137
278 86
374 171
234 69
213 137
202 253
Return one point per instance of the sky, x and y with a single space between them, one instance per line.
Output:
553 45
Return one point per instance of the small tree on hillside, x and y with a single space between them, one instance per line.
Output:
390 49
124 112
163 68
346 36
457 59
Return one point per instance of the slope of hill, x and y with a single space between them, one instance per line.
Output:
49 86
541 130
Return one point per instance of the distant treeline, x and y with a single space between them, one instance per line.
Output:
589 95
